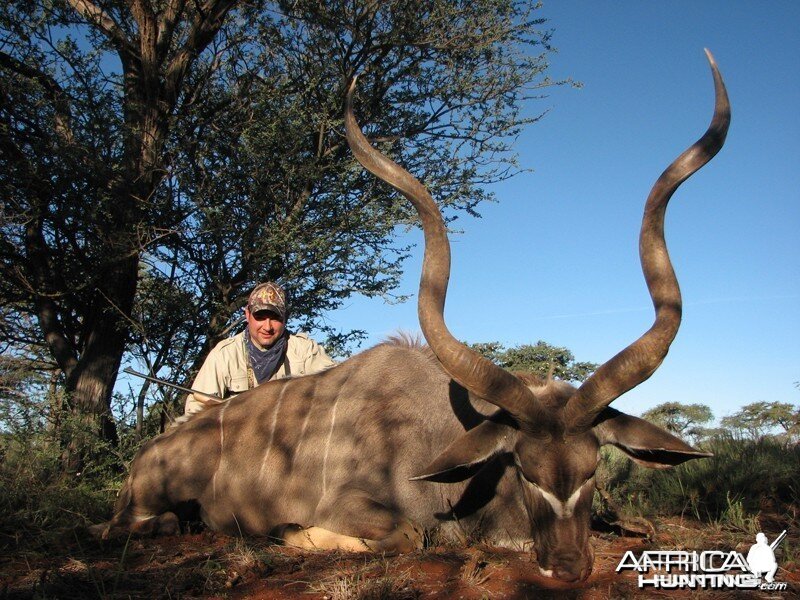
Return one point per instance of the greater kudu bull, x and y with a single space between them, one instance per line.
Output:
342 459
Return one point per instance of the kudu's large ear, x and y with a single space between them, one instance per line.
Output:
467 452
645 443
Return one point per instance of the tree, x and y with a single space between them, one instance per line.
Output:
681 419
540 359
161 157
83 156
762 418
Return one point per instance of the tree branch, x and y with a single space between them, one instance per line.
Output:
61 104
166 26
206 24
99 18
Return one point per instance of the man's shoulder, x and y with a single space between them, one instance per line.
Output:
300 340
300 343
307 355
228 345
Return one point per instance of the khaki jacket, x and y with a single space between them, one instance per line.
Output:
226 373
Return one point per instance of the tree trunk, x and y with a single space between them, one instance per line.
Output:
90 384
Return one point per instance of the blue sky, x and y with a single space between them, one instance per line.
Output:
556 258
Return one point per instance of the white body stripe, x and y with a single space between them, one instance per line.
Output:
221 448
300 439
221 428
327 449
272 431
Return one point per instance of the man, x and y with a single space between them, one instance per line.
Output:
262 352
761 559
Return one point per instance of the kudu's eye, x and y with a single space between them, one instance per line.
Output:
521 471
529 480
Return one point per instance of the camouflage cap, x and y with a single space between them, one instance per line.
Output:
268 296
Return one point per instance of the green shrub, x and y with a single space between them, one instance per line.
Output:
38 501
727 487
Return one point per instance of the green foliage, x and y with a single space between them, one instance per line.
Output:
38 501
680 419
540 359
21 385
494 351
151 181
762 418
734 516
728 487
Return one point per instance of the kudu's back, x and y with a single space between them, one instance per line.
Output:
300 450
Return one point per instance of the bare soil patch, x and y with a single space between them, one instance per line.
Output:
211 565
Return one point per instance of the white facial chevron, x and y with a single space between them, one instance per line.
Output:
562 510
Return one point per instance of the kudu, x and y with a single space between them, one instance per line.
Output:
341 459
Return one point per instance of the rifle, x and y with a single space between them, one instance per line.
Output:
130 371
777 540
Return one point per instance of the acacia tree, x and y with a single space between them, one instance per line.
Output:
159 157
540 359
83 157
321 224
762 418
681 419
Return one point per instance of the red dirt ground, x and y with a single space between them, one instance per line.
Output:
210 565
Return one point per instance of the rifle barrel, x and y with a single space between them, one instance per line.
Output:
778 540
130 371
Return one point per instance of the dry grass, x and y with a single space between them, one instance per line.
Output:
244 557
214 565
364 583
473 573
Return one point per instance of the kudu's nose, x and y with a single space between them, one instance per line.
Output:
571 567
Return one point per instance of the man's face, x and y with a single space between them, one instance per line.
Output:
265 327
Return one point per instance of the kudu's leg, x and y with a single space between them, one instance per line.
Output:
167 471
164 524
406 537
134 519
354 522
